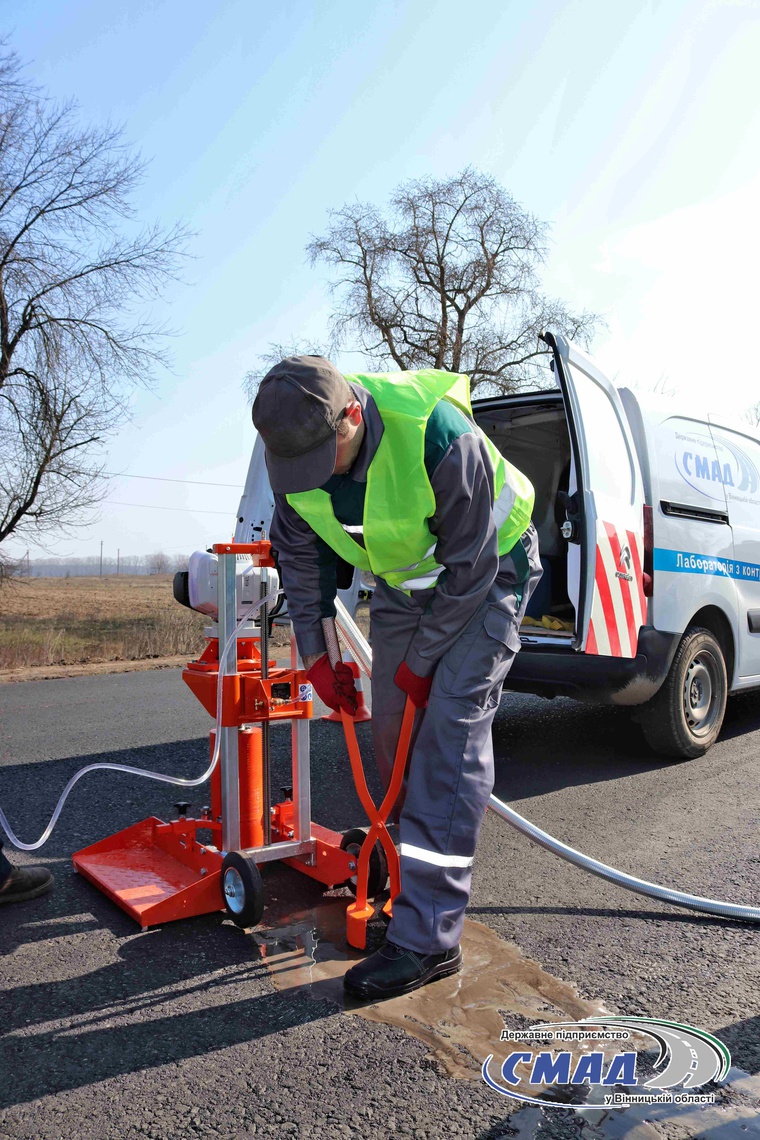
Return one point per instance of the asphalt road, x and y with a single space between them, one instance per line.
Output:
180 1031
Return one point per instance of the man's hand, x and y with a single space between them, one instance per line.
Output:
418 688
335 686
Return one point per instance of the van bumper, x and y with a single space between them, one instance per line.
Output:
559 672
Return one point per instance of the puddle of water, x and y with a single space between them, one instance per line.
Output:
458 1018
307 949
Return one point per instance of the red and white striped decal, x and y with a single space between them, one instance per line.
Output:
618 609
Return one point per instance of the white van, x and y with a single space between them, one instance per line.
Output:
649 529
648 519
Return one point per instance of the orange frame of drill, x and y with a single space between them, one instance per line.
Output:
161 871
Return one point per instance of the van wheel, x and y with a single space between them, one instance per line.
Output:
684 718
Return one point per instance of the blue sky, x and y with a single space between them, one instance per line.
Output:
634 129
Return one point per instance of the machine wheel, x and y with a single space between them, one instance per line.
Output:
684 718
242 889
377 876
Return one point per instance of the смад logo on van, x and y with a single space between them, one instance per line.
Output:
712 467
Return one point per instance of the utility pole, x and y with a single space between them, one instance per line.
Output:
118 559
101 558
28 567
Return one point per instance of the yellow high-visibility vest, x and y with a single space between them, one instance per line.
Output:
398 544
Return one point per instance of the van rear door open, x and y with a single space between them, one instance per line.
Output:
605 511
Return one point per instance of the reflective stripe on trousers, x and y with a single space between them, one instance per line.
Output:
450 773
434 857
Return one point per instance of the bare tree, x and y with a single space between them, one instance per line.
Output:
76 272
48 476
663 386
158 563
752 414
10 568
276 353
448 278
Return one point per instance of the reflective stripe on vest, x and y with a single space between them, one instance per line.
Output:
399 499
414 582
504 504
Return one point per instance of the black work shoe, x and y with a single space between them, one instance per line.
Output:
393 970
25 883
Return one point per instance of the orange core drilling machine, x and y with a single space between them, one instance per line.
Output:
160 871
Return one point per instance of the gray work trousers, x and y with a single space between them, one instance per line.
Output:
450 773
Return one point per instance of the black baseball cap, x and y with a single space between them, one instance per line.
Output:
296 412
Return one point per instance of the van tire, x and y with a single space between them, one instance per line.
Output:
685 716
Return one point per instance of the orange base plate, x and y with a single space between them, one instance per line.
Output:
155 871
158 872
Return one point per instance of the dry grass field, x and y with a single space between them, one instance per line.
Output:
68 621
66 626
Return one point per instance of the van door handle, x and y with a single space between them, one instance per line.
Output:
570 528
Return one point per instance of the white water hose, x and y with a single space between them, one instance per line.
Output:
362 653
180 781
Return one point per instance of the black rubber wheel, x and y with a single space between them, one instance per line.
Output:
377 876
242 889
685 716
